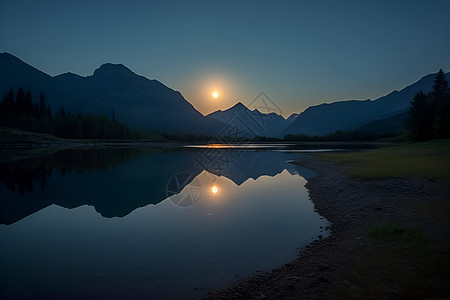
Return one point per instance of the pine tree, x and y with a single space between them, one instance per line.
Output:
28 102
443 118
10 100
440 87
441 101
429 116
20 101
421 118
42 108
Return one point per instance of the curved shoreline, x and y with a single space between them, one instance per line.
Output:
326 267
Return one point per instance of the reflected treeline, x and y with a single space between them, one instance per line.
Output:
22 175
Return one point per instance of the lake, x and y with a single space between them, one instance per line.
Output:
156 223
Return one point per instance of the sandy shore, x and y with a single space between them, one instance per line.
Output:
334 267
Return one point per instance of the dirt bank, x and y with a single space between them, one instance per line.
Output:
350 263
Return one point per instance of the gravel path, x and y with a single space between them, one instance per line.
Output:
352 206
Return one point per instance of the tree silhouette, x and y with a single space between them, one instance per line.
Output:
20 101
23 113
440 87
441 101
42 108
429 116
421 118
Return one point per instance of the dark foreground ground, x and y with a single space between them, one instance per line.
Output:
412 262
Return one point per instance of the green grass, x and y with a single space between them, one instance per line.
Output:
403 262
428 159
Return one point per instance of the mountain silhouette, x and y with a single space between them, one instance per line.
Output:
354 114
149 104
109 70
252 122
394 125
137 101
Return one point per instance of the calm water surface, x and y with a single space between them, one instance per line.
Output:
148 223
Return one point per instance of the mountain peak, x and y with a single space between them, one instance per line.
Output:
8 60
116 70
14 67
6 55
239 105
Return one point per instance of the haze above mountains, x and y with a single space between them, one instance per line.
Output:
149 104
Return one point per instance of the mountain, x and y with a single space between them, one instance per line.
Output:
353 114
392 125
291 119
137 101
251 123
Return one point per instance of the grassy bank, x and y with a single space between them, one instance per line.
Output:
404 256
428 159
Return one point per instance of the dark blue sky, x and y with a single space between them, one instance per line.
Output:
299 52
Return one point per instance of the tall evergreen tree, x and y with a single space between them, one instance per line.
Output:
28 102
42 108
3 106
441 101
421 118
20 101
10 99
440 87
443 118
429 116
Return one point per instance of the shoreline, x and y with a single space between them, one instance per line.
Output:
340 265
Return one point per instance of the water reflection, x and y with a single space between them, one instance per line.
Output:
182 228
21 175
112 175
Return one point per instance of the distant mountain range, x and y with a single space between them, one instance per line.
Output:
252 122
385 114
137 101
149 104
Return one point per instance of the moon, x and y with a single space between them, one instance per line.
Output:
215 94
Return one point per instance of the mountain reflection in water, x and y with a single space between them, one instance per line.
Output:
116 181
168 223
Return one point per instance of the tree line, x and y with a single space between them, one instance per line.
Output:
20 111
339 136
429 115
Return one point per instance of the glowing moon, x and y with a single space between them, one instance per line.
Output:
214 189
215 94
